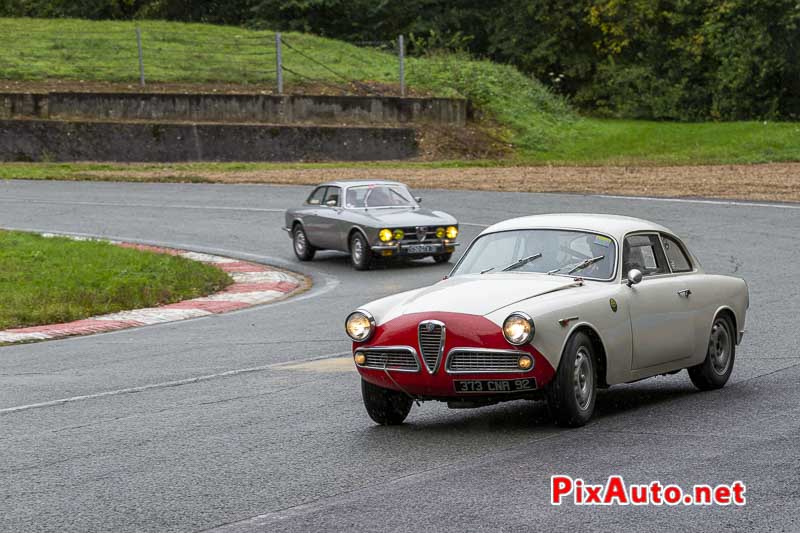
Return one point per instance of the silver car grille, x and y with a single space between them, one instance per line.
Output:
466 360
410 234
390 358
431 342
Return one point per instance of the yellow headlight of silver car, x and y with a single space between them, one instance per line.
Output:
359 326
385 235
518 328
452 232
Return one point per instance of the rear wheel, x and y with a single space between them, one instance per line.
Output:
384 406
715 370
442 258
572 392
302 248
360 252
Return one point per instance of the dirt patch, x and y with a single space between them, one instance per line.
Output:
771 182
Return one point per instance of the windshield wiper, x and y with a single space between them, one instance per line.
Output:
516 264
580 266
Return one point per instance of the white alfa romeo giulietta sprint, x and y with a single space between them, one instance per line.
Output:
555 306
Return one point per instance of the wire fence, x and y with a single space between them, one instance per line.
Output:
148 55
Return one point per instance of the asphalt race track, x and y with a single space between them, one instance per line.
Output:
202 424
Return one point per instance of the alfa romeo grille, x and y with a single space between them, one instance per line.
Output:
431 342
465 360
390 358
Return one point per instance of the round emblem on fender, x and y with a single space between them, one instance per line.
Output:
613 303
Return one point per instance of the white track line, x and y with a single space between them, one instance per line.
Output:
154 206
735 203
163 385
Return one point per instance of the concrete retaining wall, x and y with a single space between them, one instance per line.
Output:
236 108
45 140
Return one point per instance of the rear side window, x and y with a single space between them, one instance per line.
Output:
644 253
676 256
316 196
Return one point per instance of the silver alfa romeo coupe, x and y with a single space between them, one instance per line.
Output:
370 219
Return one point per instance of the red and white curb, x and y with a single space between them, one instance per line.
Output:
253 284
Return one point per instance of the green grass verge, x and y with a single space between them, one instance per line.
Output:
540 125
52 280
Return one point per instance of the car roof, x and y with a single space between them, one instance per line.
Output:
616 226
356 183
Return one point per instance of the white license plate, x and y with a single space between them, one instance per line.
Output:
421 249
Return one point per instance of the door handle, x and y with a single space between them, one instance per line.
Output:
685 292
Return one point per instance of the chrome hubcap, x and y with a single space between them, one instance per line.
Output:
719 348
358 250
299 242
582 378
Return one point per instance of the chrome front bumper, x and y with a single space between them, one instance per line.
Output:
403 248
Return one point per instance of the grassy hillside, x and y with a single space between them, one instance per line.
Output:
516 109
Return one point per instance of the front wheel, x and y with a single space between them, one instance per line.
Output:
384 406
715 370
572 392
360 252
442 258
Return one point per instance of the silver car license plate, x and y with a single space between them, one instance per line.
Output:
421 249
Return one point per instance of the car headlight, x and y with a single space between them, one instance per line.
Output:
452 232
385 235
518 328
359 326
399 234
439 233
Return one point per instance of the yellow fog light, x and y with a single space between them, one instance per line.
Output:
452 232
399 234
439 233
385 235
360 358
524 362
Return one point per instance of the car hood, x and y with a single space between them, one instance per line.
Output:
405 216
481 294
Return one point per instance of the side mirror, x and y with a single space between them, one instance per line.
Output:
634 276
418 199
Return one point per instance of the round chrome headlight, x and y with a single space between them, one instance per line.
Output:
359 326
518 328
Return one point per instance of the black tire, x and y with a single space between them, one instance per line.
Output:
443 258
715 370
571 405
302 248
360 252
386 407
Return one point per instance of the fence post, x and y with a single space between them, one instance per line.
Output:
279 61
141 56
402 53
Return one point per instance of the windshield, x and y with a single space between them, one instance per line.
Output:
379 196
563 253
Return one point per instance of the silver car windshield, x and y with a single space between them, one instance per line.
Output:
561 251
379 196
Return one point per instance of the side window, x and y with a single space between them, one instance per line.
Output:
676 256
316 196
334 194
644 252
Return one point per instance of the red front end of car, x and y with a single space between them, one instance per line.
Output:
449 356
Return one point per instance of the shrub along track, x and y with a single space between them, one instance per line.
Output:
764 182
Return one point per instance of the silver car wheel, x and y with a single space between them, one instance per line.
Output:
719 347
583 378
300 243
358 250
